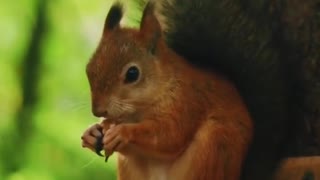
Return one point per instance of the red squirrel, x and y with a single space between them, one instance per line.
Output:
165 118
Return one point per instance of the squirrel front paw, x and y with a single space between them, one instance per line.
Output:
115 138
92 138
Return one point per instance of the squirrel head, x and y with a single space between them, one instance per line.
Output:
125 72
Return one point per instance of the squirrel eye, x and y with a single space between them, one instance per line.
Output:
132 74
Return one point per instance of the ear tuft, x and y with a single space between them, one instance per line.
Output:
114 16
150 27
148 17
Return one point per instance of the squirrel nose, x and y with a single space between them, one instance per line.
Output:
99 112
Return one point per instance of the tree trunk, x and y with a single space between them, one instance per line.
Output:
301 23
30 69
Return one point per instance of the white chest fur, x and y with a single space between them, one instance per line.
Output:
158 172
132 168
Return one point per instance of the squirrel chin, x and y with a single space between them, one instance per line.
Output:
112 121
102 118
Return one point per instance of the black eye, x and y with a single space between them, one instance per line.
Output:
132 74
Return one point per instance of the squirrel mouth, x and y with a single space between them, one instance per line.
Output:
102 119
112 120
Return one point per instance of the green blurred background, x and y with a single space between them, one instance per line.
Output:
44 94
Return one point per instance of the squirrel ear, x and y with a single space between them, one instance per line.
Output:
150 28
113 18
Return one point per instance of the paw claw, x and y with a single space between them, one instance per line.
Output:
106 159
99 146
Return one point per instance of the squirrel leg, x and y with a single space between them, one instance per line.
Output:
217 152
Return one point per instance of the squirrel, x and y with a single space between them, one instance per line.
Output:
166 118
197 50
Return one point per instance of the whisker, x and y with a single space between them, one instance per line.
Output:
89 163
118 107
128 107
79 107
76 106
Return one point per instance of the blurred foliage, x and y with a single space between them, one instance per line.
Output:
62 110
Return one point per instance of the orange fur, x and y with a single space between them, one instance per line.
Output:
183 122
